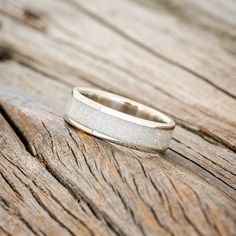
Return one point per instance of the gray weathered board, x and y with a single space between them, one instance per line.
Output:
176 56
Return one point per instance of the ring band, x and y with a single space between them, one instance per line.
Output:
118 119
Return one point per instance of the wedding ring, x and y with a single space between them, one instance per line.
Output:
119 119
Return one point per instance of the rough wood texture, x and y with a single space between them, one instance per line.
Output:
176 56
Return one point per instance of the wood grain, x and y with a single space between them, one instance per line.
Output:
56 180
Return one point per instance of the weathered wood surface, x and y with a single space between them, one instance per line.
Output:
176 56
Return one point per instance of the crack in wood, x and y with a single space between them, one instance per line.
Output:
210 172
17 131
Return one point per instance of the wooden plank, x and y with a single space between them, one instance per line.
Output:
154 193
56 180
177 103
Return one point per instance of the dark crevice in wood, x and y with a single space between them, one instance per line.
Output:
59 158
200 204
208 171
15 212
183 209
69 212
12 211
117 193
211 140
12 186
53 216
117 166
50 136
204 134
141 165
205 157
170 209
145 47
32 14
13 164
79 195
160 194
30 17
89 167
28 226
214 224
129 210
132 214
73 153
168 230
4 204
14 127
188 220
104 178
44 207
5 53
5 232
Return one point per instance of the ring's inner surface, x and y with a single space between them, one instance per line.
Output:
124 107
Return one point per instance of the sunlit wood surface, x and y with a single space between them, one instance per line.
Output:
175 56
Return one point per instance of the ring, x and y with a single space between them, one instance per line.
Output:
119 119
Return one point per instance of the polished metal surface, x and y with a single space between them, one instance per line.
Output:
118 119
